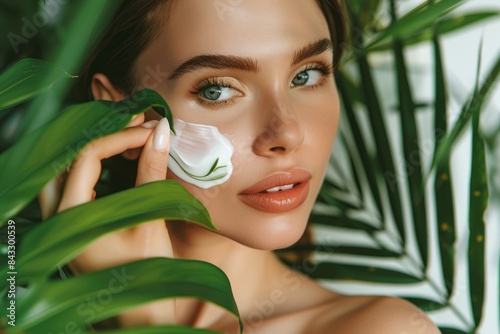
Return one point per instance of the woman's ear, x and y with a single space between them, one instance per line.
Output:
103 89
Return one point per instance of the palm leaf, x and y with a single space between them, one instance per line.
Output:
444 26
478 201
474 105
412 153
443 191
339 271
414 22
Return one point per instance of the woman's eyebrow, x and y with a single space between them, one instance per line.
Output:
311 50
219 62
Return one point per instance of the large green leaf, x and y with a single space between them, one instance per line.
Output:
118 289
45 153
27 79
64 235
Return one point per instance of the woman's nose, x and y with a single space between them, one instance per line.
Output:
281 134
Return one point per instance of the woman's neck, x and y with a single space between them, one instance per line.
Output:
190 241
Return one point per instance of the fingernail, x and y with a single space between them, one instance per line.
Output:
150 124
162 136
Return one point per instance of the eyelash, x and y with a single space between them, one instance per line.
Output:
323 68
209 82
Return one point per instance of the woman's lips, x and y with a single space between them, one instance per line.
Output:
280 192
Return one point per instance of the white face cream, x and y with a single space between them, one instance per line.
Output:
200 154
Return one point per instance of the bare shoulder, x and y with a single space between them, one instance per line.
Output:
377 315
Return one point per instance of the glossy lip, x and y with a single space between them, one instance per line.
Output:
281 201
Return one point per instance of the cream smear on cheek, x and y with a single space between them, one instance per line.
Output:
200 154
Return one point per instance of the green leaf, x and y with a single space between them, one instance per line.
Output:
342 220
118 289
478 202
366 160
386 166
45 153
70 55
338 271
64 235
448 330
27 79
336 249
473 106
326 195
443 26
426 304
414 22
411 153
443 191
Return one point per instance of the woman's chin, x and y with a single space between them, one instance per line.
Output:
269 238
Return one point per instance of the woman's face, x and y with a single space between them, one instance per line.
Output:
265 82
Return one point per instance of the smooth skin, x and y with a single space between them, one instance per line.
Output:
276 121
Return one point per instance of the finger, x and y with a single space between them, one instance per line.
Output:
49 197
152 167
135 153
85 171
132 154
136 121
153 161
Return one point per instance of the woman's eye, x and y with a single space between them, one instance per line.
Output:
218 93
307 78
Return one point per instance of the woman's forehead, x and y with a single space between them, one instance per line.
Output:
254 28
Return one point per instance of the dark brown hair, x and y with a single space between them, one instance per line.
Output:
138 23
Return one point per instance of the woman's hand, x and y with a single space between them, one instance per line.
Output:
147 240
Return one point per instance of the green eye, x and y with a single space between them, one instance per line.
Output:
300 79
212 93
308 78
